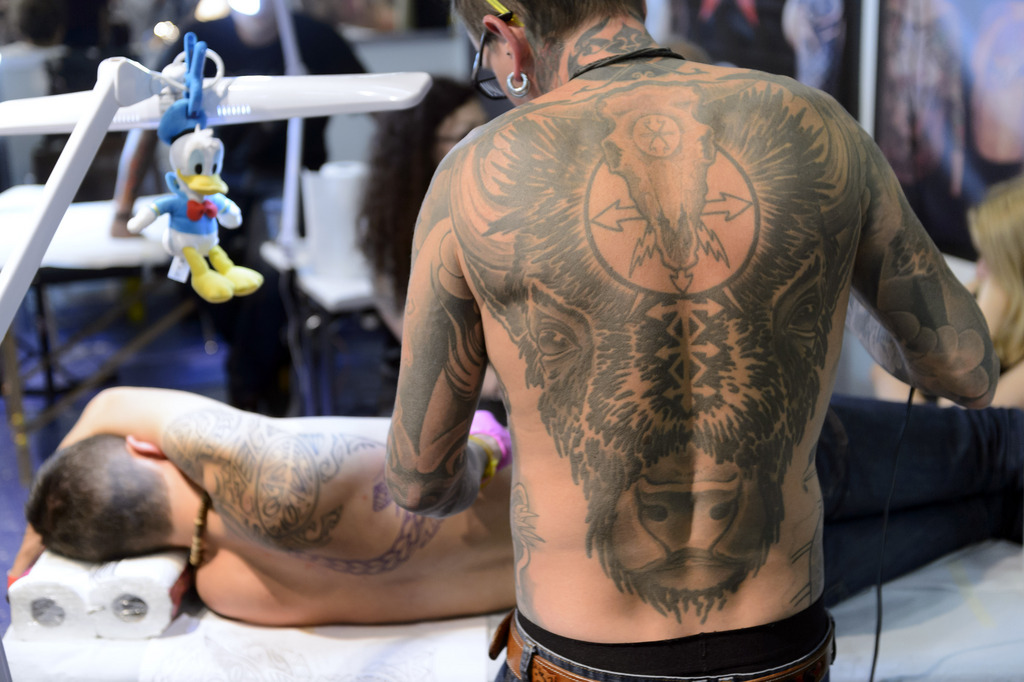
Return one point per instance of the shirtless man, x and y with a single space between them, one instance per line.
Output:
301 530
657 258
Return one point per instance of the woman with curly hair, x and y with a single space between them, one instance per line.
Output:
407 147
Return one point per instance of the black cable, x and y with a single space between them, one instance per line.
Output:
286 285
885 528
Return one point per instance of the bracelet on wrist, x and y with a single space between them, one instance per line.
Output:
493 459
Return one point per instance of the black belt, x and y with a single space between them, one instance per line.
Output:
811 668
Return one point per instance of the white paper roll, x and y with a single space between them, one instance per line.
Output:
62 598
51 602
331 198
137 598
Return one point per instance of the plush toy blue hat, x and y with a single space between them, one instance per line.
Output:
185 114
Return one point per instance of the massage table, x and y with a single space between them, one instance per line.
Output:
959 619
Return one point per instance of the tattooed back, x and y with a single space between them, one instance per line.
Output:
662 260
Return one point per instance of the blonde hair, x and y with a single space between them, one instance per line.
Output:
997 230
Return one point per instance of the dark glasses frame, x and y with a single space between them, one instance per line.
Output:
488 86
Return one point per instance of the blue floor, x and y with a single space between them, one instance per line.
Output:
188 357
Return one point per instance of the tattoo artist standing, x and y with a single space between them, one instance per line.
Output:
657 257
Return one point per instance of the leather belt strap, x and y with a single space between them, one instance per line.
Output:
811 669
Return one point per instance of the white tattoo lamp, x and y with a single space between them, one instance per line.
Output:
127 95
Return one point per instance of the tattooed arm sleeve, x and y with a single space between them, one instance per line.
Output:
283 483
910 312
430 467
134 411
198 434
280 482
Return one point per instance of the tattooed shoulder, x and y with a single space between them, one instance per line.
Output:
272 484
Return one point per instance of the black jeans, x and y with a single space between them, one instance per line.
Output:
958 482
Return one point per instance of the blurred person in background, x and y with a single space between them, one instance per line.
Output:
253 327
405 151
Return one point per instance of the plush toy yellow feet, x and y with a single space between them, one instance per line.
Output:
210 285
245 280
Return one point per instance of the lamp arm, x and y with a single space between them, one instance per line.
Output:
289 228
293 66
120 82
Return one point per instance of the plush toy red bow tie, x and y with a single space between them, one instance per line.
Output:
196 210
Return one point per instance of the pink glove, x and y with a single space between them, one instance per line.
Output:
484 424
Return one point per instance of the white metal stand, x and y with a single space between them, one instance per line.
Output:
120 82
293 66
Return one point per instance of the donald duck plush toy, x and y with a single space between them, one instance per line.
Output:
197 205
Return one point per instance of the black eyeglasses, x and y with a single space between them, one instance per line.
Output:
484 79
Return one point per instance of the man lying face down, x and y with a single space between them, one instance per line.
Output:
300 528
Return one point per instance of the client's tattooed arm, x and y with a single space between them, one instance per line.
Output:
277 486
283 483
287 484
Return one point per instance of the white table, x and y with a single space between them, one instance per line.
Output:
82 248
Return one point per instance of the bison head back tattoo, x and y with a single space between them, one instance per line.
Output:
671 290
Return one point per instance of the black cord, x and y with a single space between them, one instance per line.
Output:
286 285
885 528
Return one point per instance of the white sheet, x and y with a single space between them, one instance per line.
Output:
960 619
224 650
208 648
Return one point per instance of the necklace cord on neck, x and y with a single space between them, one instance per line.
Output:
644 53
195 555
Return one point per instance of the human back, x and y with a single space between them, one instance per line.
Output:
657 258
664 291
310 536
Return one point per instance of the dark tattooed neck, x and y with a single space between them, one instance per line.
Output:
547 66
606 38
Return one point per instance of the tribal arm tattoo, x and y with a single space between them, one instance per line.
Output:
277 486
908 309
431 468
